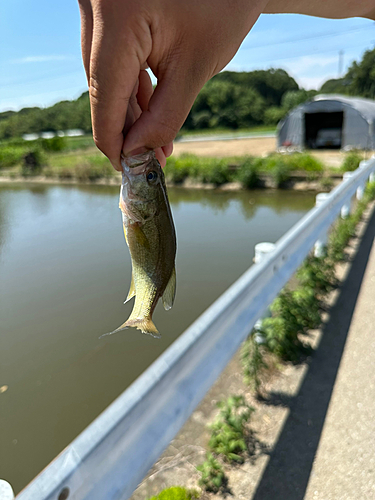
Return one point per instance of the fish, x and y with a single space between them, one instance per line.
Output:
150 235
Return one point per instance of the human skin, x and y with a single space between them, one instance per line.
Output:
185 43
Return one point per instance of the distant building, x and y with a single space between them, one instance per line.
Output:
329 121
47 135
74 132
30 137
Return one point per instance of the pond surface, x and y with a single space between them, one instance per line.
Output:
64 274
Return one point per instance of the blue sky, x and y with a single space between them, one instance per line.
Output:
40 61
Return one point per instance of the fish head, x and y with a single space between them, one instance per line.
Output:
142 184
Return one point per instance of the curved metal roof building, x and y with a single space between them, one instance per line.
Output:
330 120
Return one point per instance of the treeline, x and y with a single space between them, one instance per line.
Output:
63 115
359 80
238 100
230 100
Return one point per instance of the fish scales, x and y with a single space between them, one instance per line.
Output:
150 235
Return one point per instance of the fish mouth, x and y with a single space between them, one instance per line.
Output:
137 163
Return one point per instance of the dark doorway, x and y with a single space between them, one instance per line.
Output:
323 130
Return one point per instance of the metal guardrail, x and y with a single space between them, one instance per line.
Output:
114 453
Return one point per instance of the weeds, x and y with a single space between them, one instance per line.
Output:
176 493
253 363
228 437
351 161
213 476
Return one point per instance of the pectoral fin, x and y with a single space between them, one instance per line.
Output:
140 236
170 291
131 293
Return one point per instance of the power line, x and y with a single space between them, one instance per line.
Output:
311 37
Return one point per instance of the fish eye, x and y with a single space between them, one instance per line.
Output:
152 176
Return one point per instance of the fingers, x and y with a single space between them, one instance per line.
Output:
144 95
167 110
86 33
114 70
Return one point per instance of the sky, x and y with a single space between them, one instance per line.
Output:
40 60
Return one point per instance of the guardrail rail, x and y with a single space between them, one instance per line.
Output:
113 454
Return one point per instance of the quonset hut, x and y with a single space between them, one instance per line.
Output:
329 120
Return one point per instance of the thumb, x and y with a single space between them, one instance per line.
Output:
167 110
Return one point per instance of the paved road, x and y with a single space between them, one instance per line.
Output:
344 466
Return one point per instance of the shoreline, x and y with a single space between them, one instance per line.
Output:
298 181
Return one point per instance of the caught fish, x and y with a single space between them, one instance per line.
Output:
151 238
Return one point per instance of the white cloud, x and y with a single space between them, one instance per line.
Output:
37 59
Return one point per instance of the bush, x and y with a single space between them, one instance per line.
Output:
33 161
344 230
213 477
176 493
304 162
253 363
317 273
229 433
92 168
293 313
248 172
179 169
214 171
351 161
11 155
54 144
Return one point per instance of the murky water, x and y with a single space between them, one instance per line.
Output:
64 274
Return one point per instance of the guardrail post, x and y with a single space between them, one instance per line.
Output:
6 491
345 210
372 177
261 251
321 243
361 188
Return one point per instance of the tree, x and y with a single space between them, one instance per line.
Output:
362 76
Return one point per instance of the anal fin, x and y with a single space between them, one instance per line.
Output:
170 291
131 293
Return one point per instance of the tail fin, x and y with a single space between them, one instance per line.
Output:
146 325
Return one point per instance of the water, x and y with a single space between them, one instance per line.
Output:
64 274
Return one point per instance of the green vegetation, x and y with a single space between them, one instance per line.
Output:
213 477
298 310
62 116
75 158
351 161
247 170
229 101
359 80
176 493
253 361
228 437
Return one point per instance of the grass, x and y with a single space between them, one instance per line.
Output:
77 158
247 170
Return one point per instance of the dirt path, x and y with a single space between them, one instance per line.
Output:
259 146
236 147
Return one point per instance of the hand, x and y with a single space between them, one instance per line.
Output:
184 42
